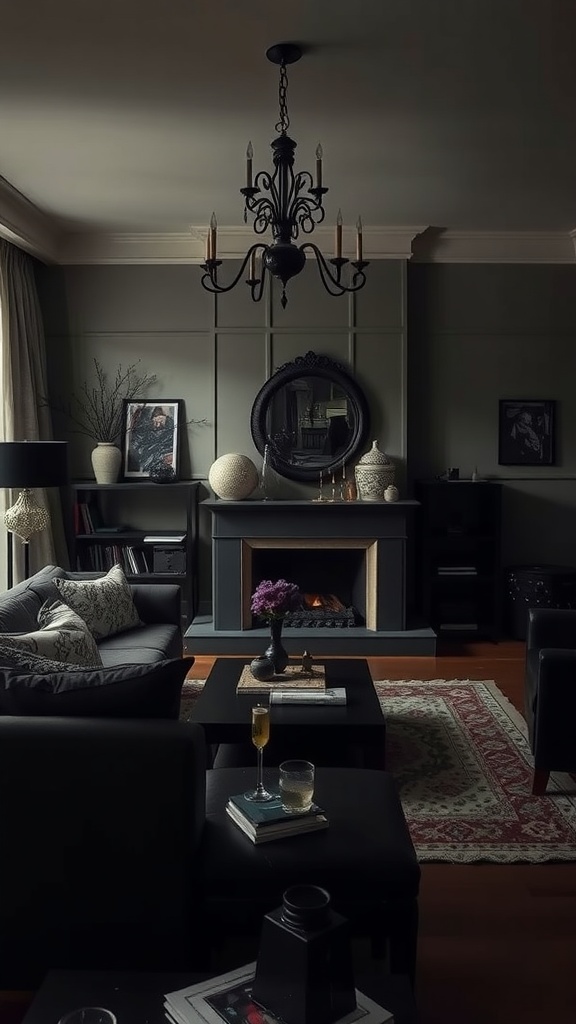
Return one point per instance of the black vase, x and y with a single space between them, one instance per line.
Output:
304 970
275 651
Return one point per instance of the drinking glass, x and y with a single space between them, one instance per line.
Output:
260 737
89 1015
296 786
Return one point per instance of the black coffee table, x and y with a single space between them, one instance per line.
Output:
354 734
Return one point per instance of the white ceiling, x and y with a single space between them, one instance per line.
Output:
134 115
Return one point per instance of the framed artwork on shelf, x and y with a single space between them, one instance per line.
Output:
151 433
526 432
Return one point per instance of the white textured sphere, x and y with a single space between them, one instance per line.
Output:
233 477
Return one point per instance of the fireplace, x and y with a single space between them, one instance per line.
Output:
355 551
337 578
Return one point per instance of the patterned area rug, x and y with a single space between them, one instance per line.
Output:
460 755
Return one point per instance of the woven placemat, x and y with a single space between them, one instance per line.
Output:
292 678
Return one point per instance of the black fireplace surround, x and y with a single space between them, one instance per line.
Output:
356 550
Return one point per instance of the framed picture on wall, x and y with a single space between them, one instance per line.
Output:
151 439
526 432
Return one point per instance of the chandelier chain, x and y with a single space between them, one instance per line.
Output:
283 123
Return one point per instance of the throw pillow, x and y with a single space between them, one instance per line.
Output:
105 604
26 661
62 636
120 691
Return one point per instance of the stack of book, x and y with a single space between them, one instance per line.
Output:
228 998
262 822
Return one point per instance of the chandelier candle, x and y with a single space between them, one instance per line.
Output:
249 155
318 166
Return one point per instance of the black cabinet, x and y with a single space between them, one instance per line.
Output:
100 533
458 557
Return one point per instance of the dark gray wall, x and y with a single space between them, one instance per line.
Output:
434 347
216 354
479 333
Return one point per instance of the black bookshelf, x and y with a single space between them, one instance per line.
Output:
459 569
99 536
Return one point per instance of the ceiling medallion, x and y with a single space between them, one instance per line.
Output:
287 203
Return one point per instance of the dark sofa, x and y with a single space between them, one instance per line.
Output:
142 670
158 605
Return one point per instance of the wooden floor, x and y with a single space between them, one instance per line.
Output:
497 942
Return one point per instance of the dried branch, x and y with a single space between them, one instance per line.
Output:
97 411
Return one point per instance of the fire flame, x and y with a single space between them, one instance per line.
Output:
329 602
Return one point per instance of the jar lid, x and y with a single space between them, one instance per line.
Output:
375 457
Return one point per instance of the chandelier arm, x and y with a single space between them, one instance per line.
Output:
332 283
307 215
210 268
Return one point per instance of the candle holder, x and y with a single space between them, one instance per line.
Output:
320 489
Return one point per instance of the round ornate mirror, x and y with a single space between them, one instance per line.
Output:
312 415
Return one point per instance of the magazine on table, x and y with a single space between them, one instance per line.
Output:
331 695
268 813
228 998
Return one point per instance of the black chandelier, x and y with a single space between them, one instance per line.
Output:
286 203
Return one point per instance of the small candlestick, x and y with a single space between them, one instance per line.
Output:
320 485
333 487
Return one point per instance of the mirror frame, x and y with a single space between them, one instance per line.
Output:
311 365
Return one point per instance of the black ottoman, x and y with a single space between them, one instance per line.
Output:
365 859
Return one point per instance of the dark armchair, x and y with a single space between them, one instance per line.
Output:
550 692
101 823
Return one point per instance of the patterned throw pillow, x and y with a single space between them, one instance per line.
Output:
105 604
26 661
63 636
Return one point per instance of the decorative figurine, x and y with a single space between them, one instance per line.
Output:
307 664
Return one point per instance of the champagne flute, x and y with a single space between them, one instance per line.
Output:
260 737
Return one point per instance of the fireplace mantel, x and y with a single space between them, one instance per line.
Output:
381 529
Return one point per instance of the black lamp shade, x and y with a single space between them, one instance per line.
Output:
33 463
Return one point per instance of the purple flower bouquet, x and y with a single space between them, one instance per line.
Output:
272 599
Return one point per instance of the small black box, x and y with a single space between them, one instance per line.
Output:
167 558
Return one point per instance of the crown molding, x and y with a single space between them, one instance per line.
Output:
26 226
233 243
22 223
438 246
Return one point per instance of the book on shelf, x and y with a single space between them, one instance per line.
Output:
229 997
165 538
331 695
292 678
264 822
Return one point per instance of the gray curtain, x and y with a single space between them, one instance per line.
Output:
24 378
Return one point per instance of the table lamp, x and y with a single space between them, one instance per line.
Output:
29 464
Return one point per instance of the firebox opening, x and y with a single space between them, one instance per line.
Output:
332 583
